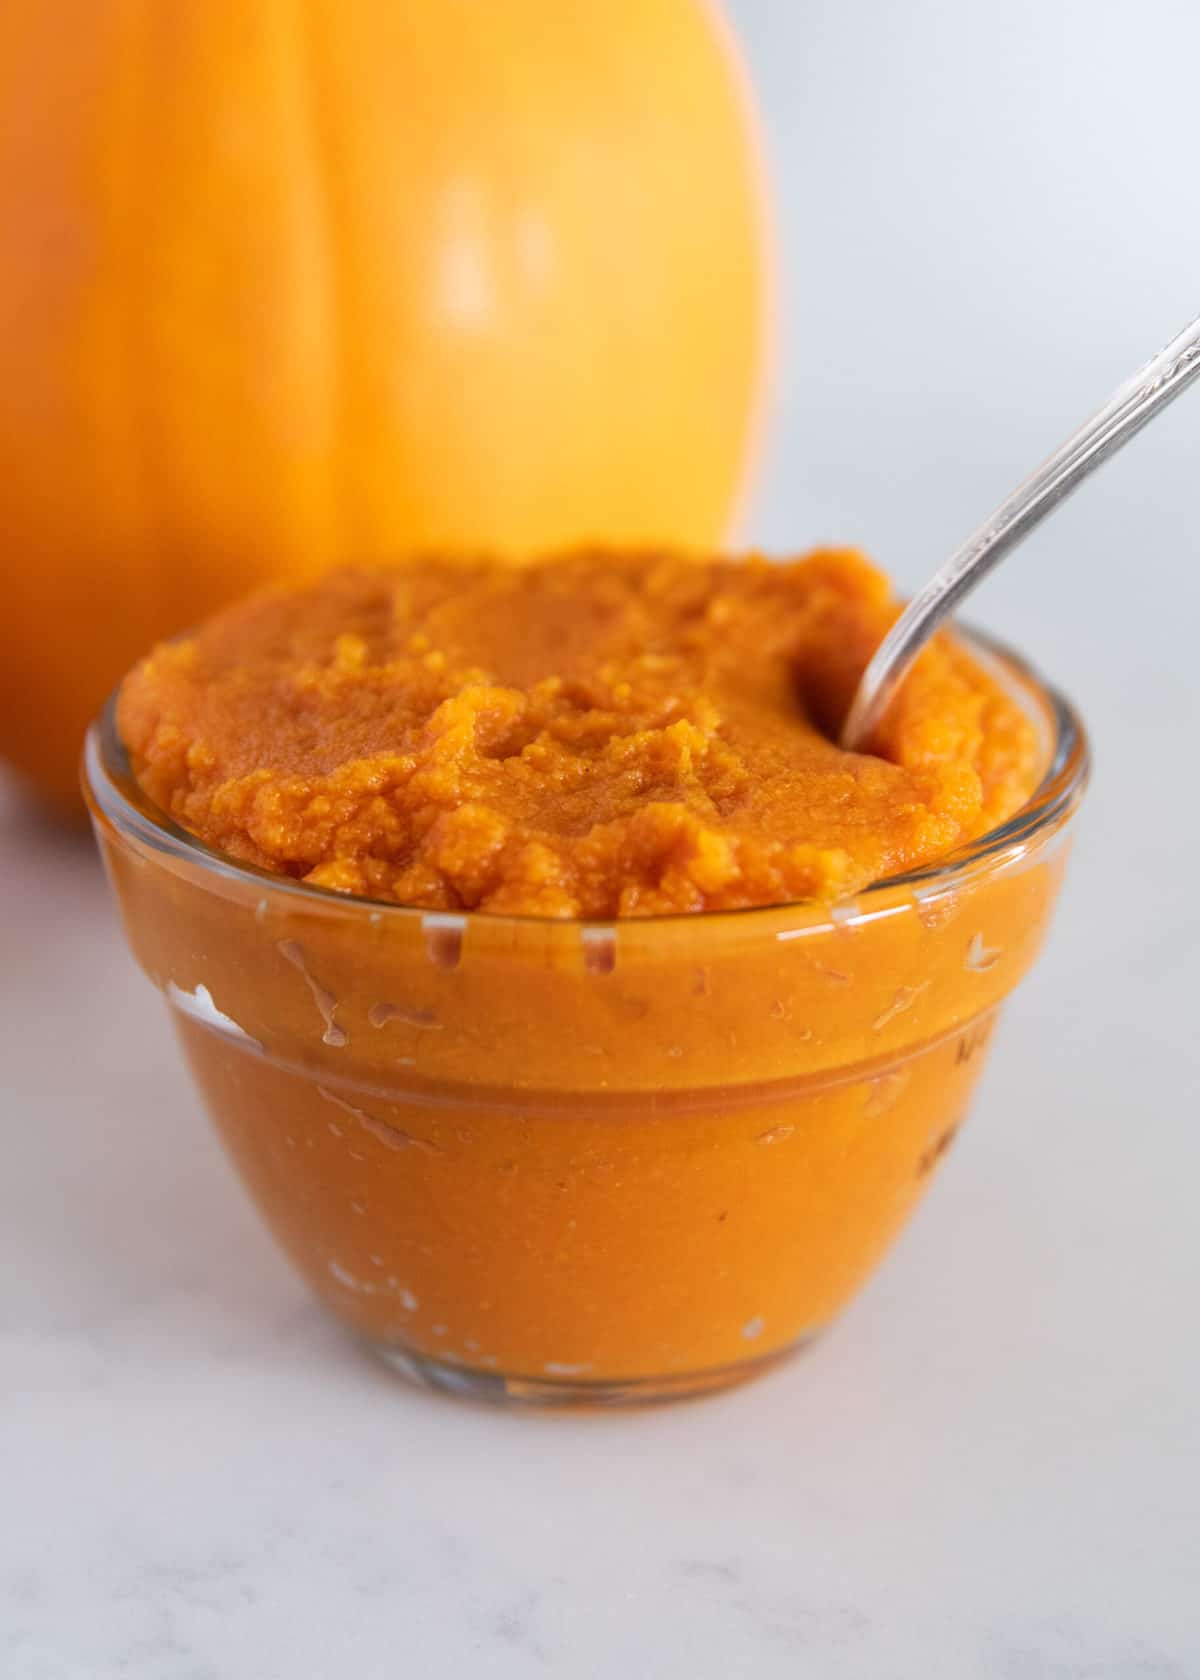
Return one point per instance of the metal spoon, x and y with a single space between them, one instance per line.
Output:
1163 379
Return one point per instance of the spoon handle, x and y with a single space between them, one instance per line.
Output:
1163 379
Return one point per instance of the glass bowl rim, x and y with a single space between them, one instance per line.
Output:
113 794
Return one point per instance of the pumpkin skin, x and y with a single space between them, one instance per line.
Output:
308 280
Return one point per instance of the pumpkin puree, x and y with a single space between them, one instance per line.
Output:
592 736
537 1156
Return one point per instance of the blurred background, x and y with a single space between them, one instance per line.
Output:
984 225
985 219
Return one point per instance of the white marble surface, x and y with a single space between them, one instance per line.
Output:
989 1471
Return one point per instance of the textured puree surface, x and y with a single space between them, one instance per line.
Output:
592 735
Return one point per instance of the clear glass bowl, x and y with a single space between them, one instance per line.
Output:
536 1160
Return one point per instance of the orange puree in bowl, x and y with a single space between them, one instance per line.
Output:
569 1147
593 736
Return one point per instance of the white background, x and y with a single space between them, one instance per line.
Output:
990 1468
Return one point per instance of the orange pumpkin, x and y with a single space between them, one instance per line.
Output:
308 279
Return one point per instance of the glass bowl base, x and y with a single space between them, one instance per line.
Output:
497 1389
